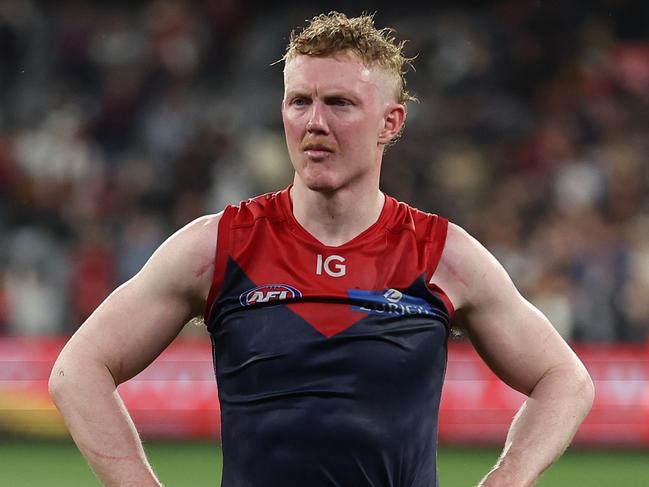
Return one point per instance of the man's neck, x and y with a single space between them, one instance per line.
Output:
338 217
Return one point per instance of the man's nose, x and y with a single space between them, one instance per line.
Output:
317 122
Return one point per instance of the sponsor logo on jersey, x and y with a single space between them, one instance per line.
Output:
332 265
269 293
389 302
393 295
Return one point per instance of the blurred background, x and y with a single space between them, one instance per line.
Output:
120 122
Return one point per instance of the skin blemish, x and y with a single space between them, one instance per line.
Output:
105 456
203 269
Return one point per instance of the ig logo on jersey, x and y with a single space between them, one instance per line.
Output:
268 294
332 265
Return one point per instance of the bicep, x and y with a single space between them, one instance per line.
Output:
514 338
130 328
141 317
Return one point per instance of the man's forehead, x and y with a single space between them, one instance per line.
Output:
344 69
326 67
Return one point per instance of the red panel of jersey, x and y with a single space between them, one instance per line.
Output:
263 237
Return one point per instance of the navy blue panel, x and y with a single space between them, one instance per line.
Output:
356 409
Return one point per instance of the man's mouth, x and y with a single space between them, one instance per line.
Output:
317 150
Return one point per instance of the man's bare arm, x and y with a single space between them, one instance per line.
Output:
124 335
520 345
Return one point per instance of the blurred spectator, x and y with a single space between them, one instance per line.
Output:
35 283
92 273
141 234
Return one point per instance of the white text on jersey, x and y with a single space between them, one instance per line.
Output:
334 270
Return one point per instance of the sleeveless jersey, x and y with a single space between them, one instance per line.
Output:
329 360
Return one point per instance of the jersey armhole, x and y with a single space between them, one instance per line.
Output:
221 254
436 243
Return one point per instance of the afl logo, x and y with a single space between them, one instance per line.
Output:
268 294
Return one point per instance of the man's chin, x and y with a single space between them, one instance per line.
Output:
320 184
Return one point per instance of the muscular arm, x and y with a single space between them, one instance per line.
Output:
124 335
520 345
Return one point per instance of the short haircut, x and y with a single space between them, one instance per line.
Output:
333 33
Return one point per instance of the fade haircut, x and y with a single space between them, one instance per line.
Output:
333 33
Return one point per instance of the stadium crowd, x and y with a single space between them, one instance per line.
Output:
119 123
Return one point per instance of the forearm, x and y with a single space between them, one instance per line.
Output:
100 425
542 429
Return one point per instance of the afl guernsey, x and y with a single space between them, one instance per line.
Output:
329 360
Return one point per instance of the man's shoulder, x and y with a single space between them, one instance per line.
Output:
403 209
466 268
196 240
462 249
267 205
426 225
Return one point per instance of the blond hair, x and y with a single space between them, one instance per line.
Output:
333 33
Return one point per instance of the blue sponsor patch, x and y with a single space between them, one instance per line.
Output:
389 301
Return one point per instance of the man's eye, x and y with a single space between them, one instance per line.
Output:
339 102
299 102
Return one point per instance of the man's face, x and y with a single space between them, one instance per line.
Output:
335 112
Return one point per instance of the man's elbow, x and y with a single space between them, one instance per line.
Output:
75 374
56 383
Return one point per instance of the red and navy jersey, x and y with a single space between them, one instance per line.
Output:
329 360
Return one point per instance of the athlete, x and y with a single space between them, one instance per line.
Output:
329 305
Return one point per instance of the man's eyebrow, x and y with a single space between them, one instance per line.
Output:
298 92
347 95
338 94
325 95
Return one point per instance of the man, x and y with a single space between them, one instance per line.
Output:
329 306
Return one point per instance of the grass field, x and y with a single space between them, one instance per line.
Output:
57 463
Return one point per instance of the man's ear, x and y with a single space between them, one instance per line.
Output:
393 120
